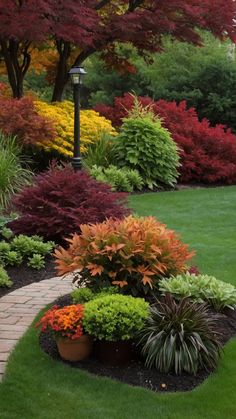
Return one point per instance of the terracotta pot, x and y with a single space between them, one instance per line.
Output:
114 353
75 350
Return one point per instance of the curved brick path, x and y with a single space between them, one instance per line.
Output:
19 308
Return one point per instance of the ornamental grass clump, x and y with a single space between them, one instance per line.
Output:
66 322
201 288
133 254
180 337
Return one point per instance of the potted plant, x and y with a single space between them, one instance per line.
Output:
115 320
66 324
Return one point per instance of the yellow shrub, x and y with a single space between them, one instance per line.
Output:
62 115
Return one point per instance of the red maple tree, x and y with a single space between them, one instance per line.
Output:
95 25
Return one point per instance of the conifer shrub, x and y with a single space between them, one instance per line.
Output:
60 200
132 254
144 145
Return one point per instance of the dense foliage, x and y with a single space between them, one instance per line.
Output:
85 294
133 254
207 154
144 145
14 174
61 116
201 288
115 317
4 278
60 200
180 337
20 118
121 179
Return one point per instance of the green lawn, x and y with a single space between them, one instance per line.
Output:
205 218
36 387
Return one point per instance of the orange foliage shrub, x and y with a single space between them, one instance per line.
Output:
133 253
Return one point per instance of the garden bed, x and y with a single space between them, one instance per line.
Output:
136 373
23 275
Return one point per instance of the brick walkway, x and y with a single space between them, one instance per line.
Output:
19 308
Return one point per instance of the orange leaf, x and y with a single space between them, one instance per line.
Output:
95 269
120 283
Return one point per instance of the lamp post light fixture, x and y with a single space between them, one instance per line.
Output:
76 74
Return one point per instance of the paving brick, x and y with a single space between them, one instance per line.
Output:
5 306
4 356
2 367
11 319
6 345
11 335
12 327
17 299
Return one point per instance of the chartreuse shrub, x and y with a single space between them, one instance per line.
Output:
4 278
60 200
180 337
121 179
115 317
36 261
200 288
82 295
145 145
62 116
132 253
13 173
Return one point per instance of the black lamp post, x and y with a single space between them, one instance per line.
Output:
76 75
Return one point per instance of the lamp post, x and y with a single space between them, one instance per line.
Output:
76 75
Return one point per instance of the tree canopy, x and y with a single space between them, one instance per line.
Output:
86 26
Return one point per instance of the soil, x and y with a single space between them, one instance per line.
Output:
135 373
23 275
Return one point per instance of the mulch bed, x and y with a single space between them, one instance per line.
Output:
136 373
23 275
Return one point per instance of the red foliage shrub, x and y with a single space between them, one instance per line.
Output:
61 199
18 117
208 154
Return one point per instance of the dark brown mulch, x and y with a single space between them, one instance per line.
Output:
23 275
136 373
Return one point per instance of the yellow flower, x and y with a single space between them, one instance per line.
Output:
62 115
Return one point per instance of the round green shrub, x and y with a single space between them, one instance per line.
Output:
115 317
143 144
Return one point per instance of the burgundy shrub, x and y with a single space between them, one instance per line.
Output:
18 117
61 200
208 154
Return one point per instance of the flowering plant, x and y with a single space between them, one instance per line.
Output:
66 322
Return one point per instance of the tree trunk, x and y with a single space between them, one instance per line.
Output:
62 72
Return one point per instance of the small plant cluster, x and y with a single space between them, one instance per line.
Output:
120 179
65 322
61 115
19 248
200 288
60 200
180 337
207 154
133 254
5 280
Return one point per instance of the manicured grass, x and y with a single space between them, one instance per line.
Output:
205 218
36 387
